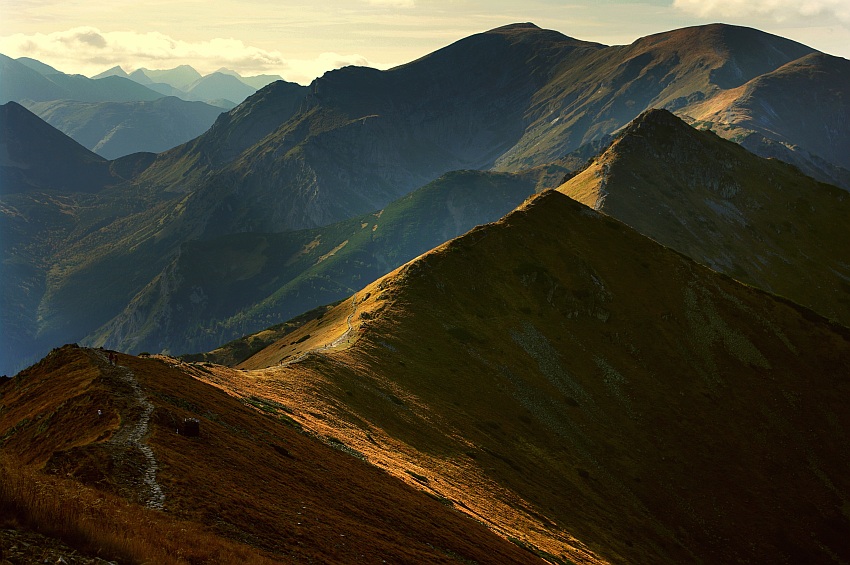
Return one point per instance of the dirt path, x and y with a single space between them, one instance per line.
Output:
133 432
332 344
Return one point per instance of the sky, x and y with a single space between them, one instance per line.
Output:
301 39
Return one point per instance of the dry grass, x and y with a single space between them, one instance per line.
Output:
100 524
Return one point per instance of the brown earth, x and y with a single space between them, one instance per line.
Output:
251 476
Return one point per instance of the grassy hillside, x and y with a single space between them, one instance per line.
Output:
760 221
251 488
222 288
581 388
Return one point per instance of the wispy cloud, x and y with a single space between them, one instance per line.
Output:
89 50
779 10
392 3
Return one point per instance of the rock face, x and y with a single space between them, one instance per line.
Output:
760 221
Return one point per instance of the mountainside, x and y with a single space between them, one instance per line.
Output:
802 105
115 129
250 489
357 139
759 221
35 155
512 98
583 389
219 289
364 137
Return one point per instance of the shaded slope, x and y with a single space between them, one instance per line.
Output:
365 137
760 221
580 387
511 98
116 129
804 106
35 155
225 287
250 476
674 69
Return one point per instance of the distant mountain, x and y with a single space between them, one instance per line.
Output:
365 137
179 77
19 82
115 129
219 86
760 221
257 82
585 390
37 66
216 290
509 99
114 71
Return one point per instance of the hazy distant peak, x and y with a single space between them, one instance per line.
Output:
38 66
114 71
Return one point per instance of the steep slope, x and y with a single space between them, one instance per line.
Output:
803 105
586 390
19 82
56 200
364 137
250 478
223 288
760 221
115 129
35 155
673 70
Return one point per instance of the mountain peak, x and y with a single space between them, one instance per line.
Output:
516 27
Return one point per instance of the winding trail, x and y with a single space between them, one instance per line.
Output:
132 434
332 344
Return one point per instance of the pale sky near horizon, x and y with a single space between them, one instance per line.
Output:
300 40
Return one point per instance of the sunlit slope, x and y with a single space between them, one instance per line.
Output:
803 107
251 479
219 289
760 221
584 389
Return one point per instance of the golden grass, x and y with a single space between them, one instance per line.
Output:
97 523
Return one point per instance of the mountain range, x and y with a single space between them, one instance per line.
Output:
297 158
115 114
526 299
574 386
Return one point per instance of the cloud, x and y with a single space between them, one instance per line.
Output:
88 50
392 3
779 10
